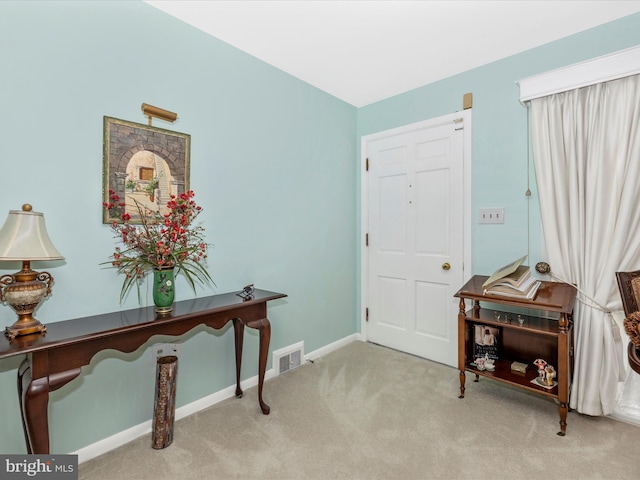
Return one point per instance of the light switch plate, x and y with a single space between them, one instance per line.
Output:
491 215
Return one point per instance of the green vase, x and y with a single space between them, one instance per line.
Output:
163 289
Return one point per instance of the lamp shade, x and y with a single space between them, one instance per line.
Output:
24 237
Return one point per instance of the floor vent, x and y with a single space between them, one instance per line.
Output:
288 358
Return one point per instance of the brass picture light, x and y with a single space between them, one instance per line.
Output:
157 112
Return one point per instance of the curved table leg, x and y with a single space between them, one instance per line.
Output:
238 329
34 401
24 374
264 327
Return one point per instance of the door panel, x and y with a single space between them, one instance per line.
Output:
431 188
391 214
393 308
430 320
415 225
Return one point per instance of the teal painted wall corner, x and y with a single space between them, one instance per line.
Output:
271 165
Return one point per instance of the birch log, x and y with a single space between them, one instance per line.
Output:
165 402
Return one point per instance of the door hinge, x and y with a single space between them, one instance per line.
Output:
366 240
366 315
367 165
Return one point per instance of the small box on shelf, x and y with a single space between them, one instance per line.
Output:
519 367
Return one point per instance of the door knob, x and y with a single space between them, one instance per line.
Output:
446 266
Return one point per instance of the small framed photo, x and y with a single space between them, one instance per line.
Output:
486 342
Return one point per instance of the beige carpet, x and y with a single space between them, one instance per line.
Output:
368 412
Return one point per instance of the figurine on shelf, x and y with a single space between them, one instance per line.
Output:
489 363
541 364
546 373
550 374
484 363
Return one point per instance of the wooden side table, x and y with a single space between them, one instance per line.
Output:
546 332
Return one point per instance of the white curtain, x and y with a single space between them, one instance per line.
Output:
586 146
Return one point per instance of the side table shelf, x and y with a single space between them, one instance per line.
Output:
533 337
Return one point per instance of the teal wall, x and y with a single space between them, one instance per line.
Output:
499 139
274 163
271 164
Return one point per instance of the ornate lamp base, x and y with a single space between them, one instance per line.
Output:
17 329
23 291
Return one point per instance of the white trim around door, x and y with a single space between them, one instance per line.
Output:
464 118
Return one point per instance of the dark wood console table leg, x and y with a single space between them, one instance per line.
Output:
238 329
264 328
33 396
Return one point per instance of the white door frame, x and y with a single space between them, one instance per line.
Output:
465 115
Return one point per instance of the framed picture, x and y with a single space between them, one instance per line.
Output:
486 341
142 167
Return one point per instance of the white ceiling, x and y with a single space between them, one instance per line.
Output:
365 51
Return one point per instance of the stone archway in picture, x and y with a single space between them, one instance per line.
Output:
145 165
150 181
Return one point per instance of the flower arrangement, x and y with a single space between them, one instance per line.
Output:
161 241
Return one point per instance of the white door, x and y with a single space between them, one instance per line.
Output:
415 188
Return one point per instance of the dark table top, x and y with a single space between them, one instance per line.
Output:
551 296
79 329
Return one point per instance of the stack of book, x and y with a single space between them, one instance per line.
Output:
513 280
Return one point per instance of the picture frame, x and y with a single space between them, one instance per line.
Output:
486 341
142 167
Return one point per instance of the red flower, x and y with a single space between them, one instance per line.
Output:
169 239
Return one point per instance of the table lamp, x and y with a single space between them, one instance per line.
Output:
24 237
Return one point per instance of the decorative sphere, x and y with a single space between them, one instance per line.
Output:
543 268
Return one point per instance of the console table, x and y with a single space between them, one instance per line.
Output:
56 357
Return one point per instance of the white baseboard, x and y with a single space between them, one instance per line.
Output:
333 346
114 441
626 417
